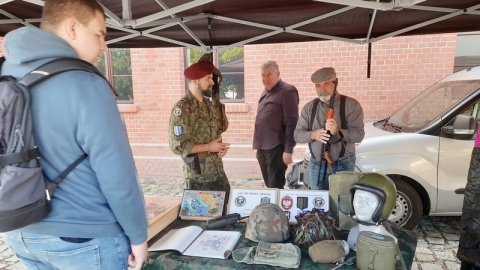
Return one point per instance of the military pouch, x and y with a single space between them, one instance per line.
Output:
193 162
376 251
275 254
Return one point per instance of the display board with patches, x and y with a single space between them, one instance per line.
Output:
295 201
242 201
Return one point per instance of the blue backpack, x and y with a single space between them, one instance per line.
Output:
24 192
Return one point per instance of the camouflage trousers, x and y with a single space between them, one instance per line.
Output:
200 183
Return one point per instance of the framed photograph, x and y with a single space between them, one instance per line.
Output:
242 201
295 201
201 204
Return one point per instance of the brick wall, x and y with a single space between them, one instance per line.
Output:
401 68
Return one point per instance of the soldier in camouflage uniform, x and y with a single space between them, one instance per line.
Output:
195 130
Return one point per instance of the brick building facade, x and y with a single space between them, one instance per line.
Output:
401 67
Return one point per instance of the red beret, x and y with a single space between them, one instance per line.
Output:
198 70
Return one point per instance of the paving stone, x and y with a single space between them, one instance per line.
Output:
424 250
451 236
436 241
434 234
444 255
424 257
452 265
431 266
422 243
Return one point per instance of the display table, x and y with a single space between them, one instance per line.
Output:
169 260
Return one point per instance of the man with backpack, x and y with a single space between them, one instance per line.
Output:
331 124
97 218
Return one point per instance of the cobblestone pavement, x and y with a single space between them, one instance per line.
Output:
436 246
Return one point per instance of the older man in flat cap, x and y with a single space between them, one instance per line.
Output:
335 135
196 132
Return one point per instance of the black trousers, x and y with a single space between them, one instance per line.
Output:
272 166
469 242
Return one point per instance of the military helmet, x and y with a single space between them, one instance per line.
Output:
381 186
267 223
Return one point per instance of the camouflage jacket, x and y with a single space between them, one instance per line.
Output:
193 122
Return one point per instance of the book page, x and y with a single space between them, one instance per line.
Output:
214 244
177 239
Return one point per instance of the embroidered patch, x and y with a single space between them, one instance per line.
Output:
177 111
177 130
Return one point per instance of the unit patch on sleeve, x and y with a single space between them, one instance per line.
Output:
178 130
177 111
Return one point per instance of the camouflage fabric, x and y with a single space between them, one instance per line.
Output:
277 254
312 227
193 122
173 260
267 223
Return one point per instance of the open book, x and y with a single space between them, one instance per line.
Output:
194 241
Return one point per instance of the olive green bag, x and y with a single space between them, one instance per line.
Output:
376 251
276 254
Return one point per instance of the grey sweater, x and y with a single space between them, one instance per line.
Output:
354 132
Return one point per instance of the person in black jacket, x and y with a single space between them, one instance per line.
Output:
469 243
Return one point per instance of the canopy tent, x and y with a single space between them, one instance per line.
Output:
204 24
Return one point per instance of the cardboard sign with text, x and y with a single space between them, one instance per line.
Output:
242 201
295 201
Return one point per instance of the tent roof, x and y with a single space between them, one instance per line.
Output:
205 23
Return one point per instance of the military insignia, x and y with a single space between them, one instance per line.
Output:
287 202
177 130
265 200
302 202
287 213
177 111
240 201
318 202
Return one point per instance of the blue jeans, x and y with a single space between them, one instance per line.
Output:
42 252
345 163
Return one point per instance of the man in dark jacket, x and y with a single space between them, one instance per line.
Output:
277 116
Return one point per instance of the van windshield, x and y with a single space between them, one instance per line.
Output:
428 106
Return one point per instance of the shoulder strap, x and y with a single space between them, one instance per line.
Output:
51 186
343 120
342 111
58 66
312 115
70 168
310 122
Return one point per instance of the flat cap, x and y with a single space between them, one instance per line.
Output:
323 74
199 70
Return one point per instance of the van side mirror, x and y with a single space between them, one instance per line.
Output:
464 127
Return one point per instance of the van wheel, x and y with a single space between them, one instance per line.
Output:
408 209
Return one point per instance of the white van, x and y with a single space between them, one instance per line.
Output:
425 148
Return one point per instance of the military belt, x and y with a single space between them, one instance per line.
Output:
204 155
